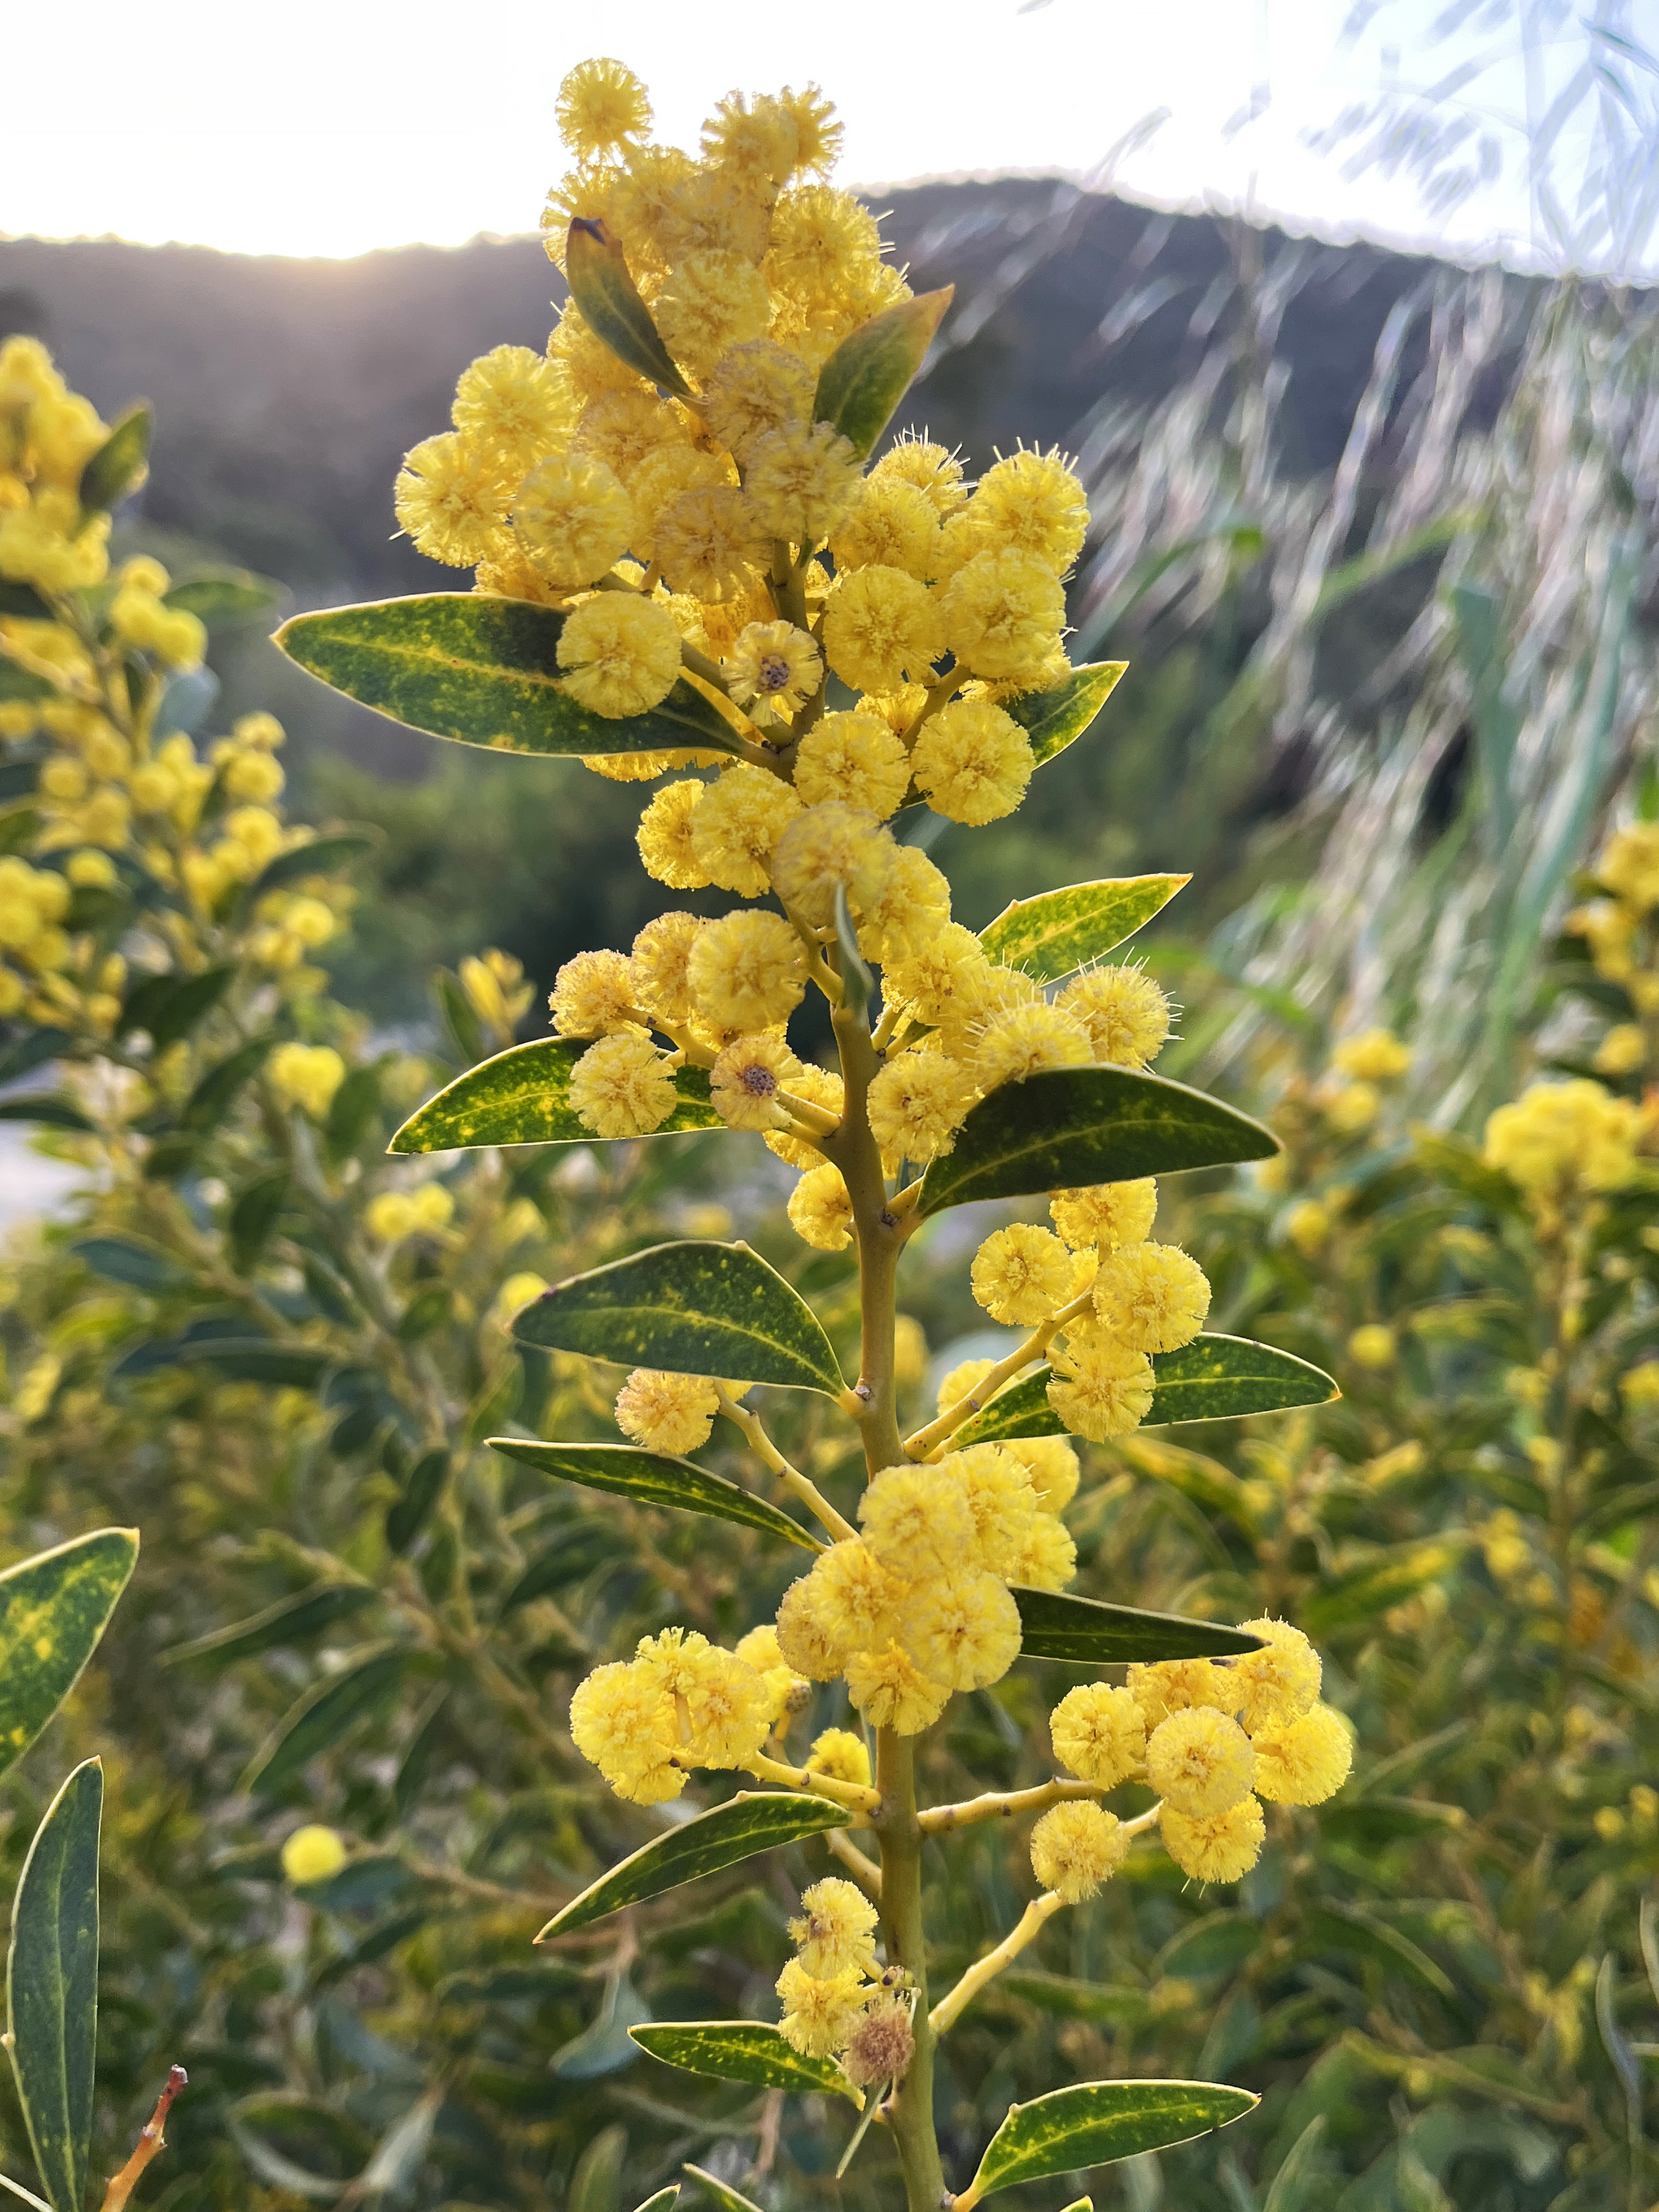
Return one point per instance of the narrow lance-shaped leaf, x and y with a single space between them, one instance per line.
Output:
870 371
483 671
1059 931
1067 1126
121 463
1213 1378
729 2199
596 270
758 1820
1054 1624
1093 2122
1056 718
743 2051
52 1985
323 1716
697 1308
522 1096
654 1479
292 1621
54 1609
232 596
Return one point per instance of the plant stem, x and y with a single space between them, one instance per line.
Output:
1025 1931
909 2110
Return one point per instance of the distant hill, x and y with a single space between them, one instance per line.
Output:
287 390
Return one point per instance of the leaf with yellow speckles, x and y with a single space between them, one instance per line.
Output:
53 1608
522 1096
1059 931
1093 2122
485 671
697 1307
52 1985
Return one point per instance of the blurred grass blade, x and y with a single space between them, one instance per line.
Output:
757 1820
52 1985
319 1719
54 1609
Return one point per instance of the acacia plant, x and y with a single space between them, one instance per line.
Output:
687 567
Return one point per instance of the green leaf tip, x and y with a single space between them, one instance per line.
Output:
871 370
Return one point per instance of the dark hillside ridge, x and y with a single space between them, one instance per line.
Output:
290 389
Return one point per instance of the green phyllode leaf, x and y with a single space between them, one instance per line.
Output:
52 1985
743 2051
1056 718
609 301
485 671
227 595
729 2199
121 464
697 1308
870 371
522 1096
319 1719
1093 2122
756 1821
654 1479
1060 932
1087 1633
662 2201
1213 1378
1068 1127
54 1609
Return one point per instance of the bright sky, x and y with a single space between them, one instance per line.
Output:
332 126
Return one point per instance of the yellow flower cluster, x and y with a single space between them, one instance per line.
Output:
1213 1738
1363 1068
47 435
838 2001
1562 1141
1620 931
680 1702
919 1604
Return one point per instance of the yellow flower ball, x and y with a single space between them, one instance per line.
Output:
853 759
672 1414
312 1855
1105 1214
835 1928
1127 1015
307 1076
881 629
841 1755
1022 1274
621 655
1152 1297
1099 1388
820 1211
1099 1732
1372 1345
737 823
1214 1846
962 1629
1076 1847
746 1080
453 497
891 1691
573 519
973 762
1199 1761
623 1086
917 1103
1376 1055
1278 1683
1003 612
1302 1761
664 837
747 971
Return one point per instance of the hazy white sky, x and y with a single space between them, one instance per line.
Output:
331 126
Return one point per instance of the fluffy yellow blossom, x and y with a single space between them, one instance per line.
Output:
961 1628
1302 1761
311 1855
1557 1137
1047 1558
1033 504
1099 1732
1628 865
819 2013
1351 1107
912 906
1126 1014
1105 1214
775 667
930 468
1052 1467
624 430
666 1413
1375 1056
601 107
666 475
917 1520
710 542
881 628
710 303
1152 1297
621 1723
623 1086
573 517
917 1104
803 1639
1076 1847
664 837
1024 1040
1622 1051
894 525
727 1708
1099 1388
736 825
516 401
855 759
891 1691
660 965
1278 1683
841 1755
745 1079
822 847
836 1928
1175 1685
754 388
308 1075
820 1211
973 760
1215 1846
391 1215
1003 612
592 994
1000 1499
453 497
929 982
621 656
747 971
1199 1761
1022 1274
802 478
